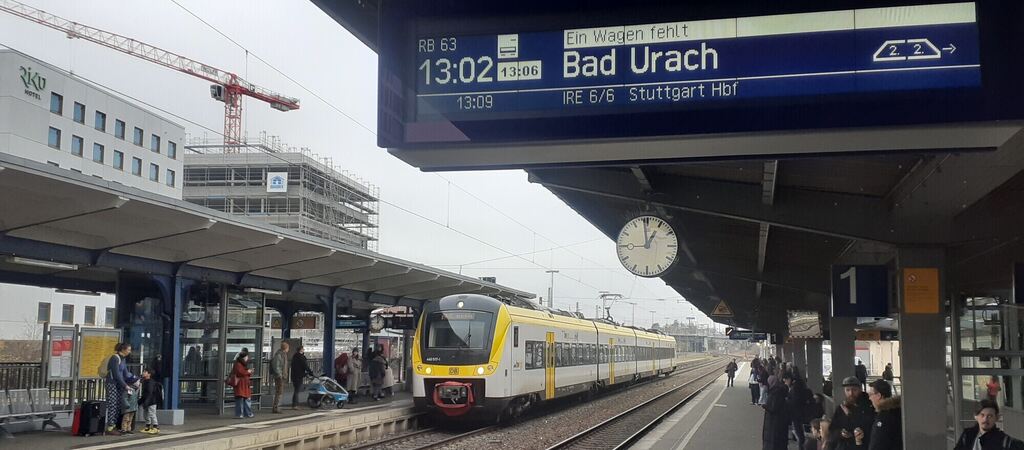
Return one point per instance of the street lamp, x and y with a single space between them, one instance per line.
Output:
632 321
551 288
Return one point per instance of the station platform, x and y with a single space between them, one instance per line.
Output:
204 429
719 417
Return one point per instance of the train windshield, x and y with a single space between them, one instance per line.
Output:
458 329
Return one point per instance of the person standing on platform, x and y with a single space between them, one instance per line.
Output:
752 382
377 363
855 413
118 380
776 418
150 400
993 388
389 380
278 362
797 399
985 435
861 371
241 375
887 430
355 369
341 369
730 370
887 373
300 370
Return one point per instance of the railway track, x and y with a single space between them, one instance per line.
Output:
624 429
421 440
434 438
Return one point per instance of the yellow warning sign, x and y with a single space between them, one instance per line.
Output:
921 290
722 310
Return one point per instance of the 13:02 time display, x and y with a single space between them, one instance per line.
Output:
465 70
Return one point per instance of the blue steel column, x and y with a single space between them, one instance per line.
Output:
330 326
286 321
172 382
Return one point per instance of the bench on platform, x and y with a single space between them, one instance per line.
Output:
26 405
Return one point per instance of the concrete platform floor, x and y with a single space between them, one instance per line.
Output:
720 417
201 423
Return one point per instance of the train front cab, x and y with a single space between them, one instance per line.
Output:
457 349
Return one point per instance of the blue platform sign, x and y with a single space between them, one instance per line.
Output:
860 291
695 64
748 336
350 323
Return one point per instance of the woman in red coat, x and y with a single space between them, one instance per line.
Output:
243 387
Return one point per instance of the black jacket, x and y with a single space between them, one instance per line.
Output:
152 394
861 416
887 432
776 418
861 372
993 440
300 368
796 401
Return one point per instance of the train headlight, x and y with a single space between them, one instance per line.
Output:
428 370
480 370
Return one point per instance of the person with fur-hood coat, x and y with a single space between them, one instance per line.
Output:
887 430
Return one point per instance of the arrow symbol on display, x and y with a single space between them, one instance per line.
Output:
950 49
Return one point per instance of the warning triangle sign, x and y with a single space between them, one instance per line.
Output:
722 310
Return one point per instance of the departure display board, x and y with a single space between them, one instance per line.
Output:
695 64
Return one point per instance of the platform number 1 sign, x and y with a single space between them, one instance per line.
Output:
860 291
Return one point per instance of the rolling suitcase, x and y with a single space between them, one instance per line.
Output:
92 418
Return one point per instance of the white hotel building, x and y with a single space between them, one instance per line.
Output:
50 116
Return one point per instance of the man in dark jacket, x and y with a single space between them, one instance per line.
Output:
887 431
855 412
300 370
861 371
776 417
796 404
985 434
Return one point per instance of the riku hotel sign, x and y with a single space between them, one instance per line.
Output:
33 81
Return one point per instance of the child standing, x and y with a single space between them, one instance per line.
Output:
151 399
129 407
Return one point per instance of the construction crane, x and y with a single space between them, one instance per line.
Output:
227 87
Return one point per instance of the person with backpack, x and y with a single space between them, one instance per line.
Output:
151 399
752 382
730 370
118 383
278 363
239 379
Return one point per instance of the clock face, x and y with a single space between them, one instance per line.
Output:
647 246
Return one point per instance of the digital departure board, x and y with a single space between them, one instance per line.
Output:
695 64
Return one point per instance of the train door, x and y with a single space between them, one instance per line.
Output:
611 361
549 367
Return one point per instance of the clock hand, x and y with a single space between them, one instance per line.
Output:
647 243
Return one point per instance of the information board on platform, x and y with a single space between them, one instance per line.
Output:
97 346
61 353
688 64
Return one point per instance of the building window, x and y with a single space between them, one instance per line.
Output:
97 153
67 316
108 319
154 143
54 139
90 315
170 178
172 150
101 121
56 103
79 113
136 167
118 160
137 136
154 172
76 145
119 129
44 312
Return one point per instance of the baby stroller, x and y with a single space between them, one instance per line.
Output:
324 391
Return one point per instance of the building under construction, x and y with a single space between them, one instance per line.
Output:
284 186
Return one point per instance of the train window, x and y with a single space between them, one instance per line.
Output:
575 355
515 337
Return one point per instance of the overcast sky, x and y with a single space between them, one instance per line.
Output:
456 231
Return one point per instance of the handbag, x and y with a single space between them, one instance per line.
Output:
231 380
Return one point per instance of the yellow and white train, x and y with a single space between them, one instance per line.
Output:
475 354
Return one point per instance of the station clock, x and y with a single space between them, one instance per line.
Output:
647 246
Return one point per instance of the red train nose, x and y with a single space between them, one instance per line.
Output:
454 398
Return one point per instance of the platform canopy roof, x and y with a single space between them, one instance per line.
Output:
66 230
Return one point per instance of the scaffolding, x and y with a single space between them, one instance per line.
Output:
320 200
